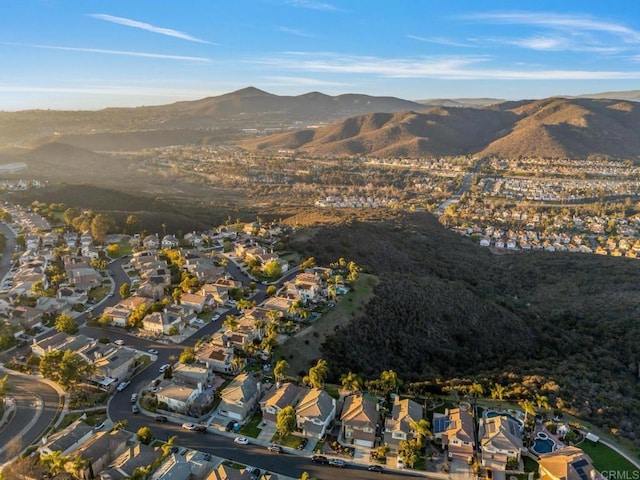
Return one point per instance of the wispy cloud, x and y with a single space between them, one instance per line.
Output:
286 81
441 41
312 5
114 52
442 67
566 22
146 26
559 43
293 31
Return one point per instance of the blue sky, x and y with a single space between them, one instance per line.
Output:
90 54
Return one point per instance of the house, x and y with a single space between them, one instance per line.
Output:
398 425
183 467
196 302
135 456
218 355
359 419
240 397
220 294
115 363
68 439
161 323
153 288
102 449
315 411
85 278
455 429
183 398
151 242
118 315
72 295
276 398
193 374
25 317
500 440
169 241
568 463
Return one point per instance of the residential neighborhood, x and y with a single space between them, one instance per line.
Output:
85 329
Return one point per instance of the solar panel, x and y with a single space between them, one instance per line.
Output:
580 463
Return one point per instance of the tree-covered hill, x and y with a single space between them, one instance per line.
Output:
445 308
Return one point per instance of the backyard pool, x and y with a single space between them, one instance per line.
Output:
543 445
492 414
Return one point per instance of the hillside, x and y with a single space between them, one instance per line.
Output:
554 127
444 308
188 121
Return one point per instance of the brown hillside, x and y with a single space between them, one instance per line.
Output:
553 127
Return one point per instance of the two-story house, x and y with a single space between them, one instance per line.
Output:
359 419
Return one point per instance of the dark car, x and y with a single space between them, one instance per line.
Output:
303 444
320 459
162 419
375 468
201 428
229 426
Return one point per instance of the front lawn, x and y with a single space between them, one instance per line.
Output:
291 441
251 428
606 459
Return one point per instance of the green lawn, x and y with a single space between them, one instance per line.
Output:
251 428
607 460
291 441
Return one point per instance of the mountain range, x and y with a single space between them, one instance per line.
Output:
550 128
350 124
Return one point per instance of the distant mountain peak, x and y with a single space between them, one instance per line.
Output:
250 92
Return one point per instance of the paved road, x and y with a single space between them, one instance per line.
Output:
37 405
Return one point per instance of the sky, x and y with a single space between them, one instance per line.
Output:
93 54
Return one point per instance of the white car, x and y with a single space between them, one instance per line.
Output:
153 351
164 367
122 386
199 321
188 426
215 317
241 440
119 342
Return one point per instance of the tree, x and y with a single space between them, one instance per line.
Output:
306 476
132 224
286 421
65 368
422 430
76 466
409 452
272 270
101 225
268 343
188 356
317 374
230 322
280 370
5 387
271 290
37 288
308 263
389 381
54 461
144 435
542 402
351 382
65 323
125 290
529 408
498 391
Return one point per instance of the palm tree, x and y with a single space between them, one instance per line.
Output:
280 370
542 402
273 315
422 429
54 461
258 327
76 466
230 322
476 390
318 373
351 382
498 391
529 409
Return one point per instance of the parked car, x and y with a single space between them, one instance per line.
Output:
162 419
337 462
119 342
215 317
241 440
400 463
134 397
201 428
303 444
188 426
275 448
153 351
99 426
135 408
320 459
375 468
154 389
230 426
164 367
122 386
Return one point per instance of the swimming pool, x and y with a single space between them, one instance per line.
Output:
543 445
503 414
